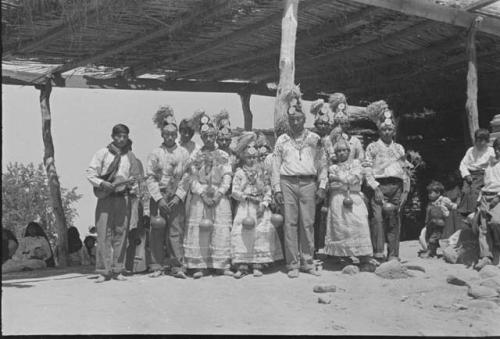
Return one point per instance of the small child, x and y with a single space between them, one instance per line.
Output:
438 209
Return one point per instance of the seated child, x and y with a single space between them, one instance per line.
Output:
438 209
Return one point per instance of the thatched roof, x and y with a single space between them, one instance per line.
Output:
405 51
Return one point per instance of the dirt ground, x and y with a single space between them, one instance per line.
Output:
69 302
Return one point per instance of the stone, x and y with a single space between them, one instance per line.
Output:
493 283
489 271
324 300
324 288
481 292
351 270
392 270
451 279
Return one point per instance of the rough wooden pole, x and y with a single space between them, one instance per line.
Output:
471 104
287 57
53 179
247 113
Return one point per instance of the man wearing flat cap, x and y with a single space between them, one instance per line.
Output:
109 166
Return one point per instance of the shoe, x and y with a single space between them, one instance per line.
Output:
257 273
119 277
197 275
482 263
228 273
294 273
239 274
179 274
102 279
425 255
156 274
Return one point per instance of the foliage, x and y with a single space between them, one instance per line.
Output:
26 197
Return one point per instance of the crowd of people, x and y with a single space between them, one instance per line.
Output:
236 207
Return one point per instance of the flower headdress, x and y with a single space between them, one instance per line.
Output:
223 124
338 105
246 144
201 122
321 111
380 114
262 143
164 116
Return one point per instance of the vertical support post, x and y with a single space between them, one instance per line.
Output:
287 57
53 179
247 113
471 104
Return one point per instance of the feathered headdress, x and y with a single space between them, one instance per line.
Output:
281 126
164 116
338 105
380 114
201 121
320 110
262 140
222 123
246 144
293 97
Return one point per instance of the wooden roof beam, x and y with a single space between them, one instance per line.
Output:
14 77
140 39
479 4
429 10
309 38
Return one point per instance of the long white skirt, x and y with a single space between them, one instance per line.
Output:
258 245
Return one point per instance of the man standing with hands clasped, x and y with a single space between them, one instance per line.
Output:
167 186
297 163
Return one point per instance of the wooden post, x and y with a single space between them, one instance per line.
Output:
471 104
53 179
287 57
247 113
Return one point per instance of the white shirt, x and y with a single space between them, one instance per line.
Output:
475 160
492 177
289 160
384 161
100 163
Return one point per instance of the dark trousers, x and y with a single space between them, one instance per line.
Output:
433 234
320 226
112 222
385 227
166 244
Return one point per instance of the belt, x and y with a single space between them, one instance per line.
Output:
389 180
489 193
305 177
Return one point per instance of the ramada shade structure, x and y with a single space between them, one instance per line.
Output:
409 52
415 54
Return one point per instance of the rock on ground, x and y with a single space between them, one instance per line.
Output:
489 271
482 292
493 283
324 288
392 270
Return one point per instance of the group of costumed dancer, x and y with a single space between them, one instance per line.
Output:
233 207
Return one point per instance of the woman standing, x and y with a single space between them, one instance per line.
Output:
207 243
254 240
348 232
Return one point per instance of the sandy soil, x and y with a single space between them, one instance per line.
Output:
71 303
